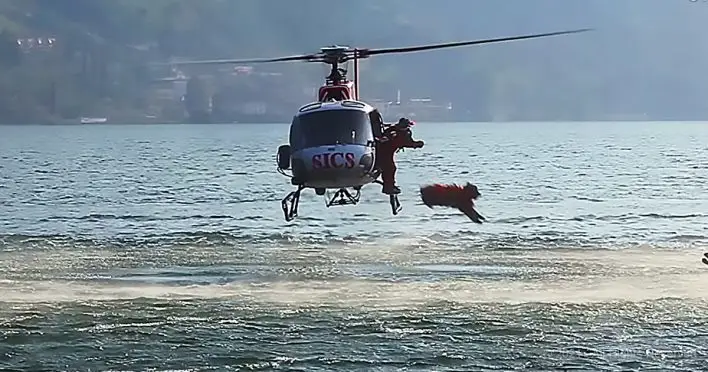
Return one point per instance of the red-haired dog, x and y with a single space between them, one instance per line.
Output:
460 197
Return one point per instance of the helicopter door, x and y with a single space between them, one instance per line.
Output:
297 140
377 123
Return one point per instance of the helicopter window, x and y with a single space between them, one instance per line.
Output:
331 127
376 122
295 137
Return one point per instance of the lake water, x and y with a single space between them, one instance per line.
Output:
164 247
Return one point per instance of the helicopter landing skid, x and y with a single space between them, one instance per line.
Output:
344 197
290 204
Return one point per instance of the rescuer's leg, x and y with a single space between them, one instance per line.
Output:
388 176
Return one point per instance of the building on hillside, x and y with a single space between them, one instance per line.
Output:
248 95
423 109
32 44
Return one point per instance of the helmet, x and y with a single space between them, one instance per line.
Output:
404 123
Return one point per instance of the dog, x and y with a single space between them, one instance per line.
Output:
454 196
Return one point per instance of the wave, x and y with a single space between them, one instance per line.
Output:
371 293
464 237
438 214
405 271
138 218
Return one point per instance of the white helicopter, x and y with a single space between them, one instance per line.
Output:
332 141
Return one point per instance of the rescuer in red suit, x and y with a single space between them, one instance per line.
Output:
394 138
460 197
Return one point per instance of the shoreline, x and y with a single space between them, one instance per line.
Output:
69 123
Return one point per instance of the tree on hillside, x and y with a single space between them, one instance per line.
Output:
197 101
10 54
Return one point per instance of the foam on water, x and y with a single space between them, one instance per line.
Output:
575 276
373 294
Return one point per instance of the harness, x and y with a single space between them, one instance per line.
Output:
390 133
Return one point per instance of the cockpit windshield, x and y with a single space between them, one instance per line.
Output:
330 127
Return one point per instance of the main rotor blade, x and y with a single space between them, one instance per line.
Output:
304 57
373 52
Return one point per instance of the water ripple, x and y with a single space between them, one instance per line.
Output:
163 248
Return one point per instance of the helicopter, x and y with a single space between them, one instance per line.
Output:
332 142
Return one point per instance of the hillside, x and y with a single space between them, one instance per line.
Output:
645 60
